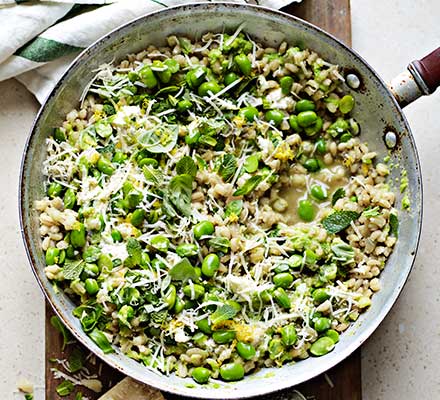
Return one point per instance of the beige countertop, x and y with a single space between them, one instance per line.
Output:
400 359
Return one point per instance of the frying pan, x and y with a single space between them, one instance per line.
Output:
378 111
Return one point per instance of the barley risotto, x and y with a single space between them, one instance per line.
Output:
212 209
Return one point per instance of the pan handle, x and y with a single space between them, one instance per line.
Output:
421 78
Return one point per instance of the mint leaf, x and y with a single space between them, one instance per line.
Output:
160 139
183 271
223 313
179 193
58 325
394 225
76 360
234 207
186 165
72 269
339 220
338 194
228 167
152 175
248 186
101 340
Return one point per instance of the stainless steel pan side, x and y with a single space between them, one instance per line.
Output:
376 111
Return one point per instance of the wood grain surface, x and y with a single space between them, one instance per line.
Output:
343 382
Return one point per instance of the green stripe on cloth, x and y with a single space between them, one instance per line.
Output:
45 50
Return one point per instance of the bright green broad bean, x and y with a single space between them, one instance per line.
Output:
305 105
210 265
345 137
243 64
318 192
306 118
312 165
333 335
281 297
116 235
293 122
321 146
90 270
160 243
52 254
234 304
223 337
322 346
275 116
283 279
137 217
55 189
69 199
230 78
194 291
78 236
315 128
184 105
232 372
203 228
147 77
322 324
179 305
148 161
346 104
286 84
246 351
251 163
306 210
320 295
288 335
204 326
249 113
187 249
201 375
105 166
196 76
91 286
209 87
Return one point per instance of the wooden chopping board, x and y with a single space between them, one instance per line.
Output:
343 382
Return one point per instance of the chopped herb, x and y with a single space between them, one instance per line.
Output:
394 225
134 250
343 253
338 194
186 165
339 220
371 212
76 360
65 388
220 244
183 271
72 269
153 175
223 313
29 396
59 326
228 167
234 208
160 139
249 185
179 193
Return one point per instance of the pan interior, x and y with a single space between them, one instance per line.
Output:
376 112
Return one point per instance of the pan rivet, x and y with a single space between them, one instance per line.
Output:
390 139
353 81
